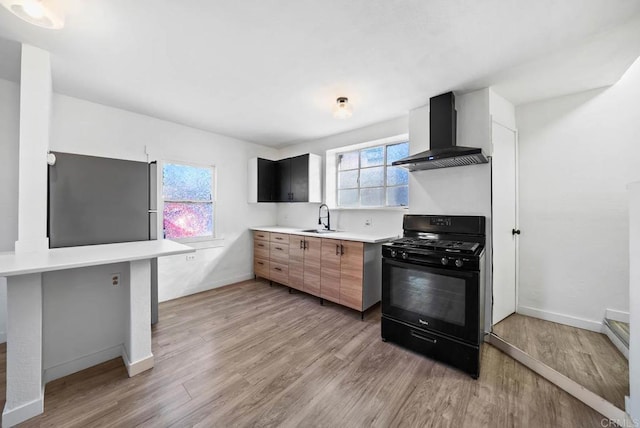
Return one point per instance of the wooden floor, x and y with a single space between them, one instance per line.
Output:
584 356
254 355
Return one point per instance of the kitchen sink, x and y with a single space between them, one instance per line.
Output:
318 231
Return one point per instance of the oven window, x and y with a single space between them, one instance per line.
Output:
428 294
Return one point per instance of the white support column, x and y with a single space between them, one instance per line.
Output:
138 356
634 301
25 390
35 112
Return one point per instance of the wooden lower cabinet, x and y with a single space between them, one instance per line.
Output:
330 270
352 274
296 261
343 272
304 264
312 266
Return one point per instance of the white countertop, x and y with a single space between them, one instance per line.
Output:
372 238
12 264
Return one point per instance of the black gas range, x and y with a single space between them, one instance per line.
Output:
433 288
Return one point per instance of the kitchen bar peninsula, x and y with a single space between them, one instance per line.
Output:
25 374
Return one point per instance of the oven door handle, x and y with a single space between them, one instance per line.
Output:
422 337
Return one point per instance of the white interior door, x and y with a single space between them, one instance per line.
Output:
504 217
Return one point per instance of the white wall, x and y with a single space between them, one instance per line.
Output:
306 215
577 153
460 190
9 138
634 299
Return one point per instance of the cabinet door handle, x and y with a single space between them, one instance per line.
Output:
341 250
301 244
337 250
305 244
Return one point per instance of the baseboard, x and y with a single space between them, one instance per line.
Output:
11 417
614 315
81 363
615 340
561 318
570 386
137 367
210 286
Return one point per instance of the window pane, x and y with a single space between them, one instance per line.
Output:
348 198
186 183
372 157
396 152
187 220
398 196
397 176
372 197
348 160
372 177
347 179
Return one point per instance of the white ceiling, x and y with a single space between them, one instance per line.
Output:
269 71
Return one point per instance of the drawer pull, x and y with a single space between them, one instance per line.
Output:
260 263
421 337
278 248
260 236
260 245
278 269
278 238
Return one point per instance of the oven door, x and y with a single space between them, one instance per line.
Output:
442 300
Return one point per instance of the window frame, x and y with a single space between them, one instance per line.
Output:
358 149
162 200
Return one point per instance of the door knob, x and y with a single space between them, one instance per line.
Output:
515 231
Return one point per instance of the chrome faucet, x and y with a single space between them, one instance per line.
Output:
327 226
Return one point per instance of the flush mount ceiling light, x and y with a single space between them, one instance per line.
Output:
43 13
343 109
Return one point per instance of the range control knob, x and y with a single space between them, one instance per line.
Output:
404 255
394 253
459 263
444 261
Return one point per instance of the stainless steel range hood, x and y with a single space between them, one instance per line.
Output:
442 138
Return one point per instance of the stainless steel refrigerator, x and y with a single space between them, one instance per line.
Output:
95 200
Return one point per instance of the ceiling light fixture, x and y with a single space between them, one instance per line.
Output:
343 109
42 13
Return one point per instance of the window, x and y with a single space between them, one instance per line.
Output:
187 193
365 177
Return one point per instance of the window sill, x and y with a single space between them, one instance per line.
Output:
203 244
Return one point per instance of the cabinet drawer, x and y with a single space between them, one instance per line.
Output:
279 273
280 237
261 249
279 252
260 235
261 268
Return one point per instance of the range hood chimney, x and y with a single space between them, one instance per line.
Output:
442 139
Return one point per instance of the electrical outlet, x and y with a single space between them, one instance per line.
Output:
115 279
368 222
191 257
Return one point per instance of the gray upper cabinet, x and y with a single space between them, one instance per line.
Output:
296 179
